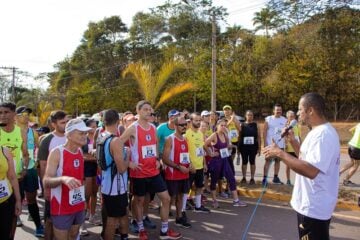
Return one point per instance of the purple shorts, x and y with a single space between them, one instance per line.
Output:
64 222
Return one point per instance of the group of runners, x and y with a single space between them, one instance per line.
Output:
177 161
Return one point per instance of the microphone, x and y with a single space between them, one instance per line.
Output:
287 129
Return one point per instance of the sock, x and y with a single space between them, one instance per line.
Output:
141 225
185 197
34 213
164 227
265 176
275 175
198 201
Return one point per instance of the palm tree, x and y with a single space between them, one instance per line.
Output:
152 85
266 19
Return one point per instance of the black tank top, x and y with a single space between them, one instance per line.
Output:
249 130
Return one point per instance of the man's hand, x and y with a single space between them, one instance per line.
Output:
135 166
71 182
205 168
184 169
272 150
192 169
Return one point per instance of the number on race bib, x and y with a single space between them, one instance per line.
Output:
77 195
4 189
224 153
148 151
199 152
248 140
184 158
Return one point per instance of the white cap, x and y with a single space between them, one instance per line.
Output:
205 113
76 124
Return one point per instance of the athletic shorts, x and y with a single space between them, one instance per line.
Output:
141 186
313 229
64 222
31 181
198 178
116 206
354 152
90 168
176 187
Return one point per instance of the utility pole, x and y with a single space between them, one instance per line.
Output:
213 64
12 82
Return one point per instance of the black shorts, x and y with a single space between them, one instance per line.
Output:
90 168
7 210
141 186
31 181
354 152
313 229
47 214
176 187
198 177
116 206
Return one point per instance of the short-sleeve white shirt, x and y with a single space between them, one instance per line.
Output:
275 126
317 198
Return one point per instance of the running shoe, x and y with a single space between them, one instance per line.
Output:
40 232
264 182
133 226
18 222
201 209
276 180
143 235
348 183
182 222
83 231
148 223
215 204
224 195
243 181
170 234
252 182
239 203
288 182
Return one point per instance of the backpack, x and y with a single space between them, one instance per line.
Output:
100 151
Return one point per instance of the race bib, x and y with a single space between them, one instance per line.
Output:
233 133
148 151
248 140
200 152
4 189
184 158
224 153
277 131
77 195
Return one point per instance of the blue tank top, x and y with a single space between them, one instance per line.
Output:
31 148
118 184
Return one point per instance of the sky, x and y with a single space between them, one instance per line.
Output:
37 34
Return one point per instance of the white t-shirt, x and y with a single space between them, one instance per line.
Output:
317 198
275 126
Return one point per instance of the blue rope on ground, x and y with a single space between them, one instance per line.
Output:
256 205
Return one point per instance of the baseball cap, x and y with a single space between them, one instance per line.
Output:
76 124
43 129
205 113
173 113
227 107
22 109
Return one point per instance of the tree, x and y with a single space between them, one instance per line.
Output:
151 85
266 20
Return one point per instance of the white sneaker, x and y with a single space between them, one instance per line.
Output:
83 231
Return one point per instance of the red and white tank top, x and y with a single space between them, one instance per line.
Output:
144 151
63 201
179 155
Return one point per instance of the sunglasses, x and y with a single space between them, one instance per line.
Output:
24 114
182 125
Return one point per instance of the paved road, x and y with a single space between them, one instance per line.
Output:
273 220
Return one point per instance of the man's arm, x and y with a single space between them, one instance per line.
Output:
299 166
265 129
116 151
166 154
24 150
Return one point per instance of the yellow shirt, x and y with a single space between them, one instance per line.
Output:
233 132
13 141
195 141
4 167
296 130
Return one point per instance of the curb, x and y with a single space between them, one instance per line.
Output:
284 197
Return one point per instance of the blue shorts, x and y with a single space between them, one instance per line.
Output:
65 222
31 181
